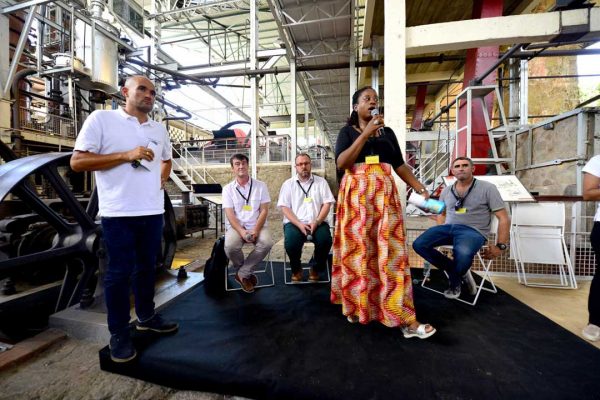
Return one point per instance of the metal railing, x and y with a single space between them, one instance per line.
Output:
50 124
318 156
433 166
189 164
275 148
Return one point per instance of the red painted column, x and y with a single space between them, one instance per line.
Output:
417 122
478 61
417 119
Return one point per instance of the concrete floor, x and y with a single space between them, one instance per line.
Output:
70 369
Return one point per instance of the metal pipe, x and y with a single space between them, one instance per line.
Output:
17 96
18 51
171 72
477 81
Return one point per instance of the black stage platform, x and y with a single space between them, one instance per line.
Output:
289 342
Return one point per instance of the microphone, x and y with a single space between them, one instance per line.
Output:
374 113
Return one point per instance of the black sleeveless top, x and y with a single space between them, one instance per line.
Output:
385 146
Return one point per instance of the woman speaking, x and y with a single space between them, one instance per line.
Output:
370 274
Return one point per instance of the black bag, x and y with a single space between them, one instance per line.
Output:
214 270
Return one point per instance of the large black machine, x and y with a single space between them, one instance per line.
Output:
51 252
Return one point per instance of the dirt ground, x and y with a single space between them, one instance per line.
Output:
70 369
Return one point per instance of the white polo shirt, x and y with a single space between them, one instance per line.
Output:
593 167
305 199
245 201
124 191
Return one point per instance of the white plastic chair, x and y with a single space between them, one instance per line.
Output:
485 265
537 236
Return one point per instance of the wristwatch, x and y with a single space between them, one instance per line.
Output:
423 190
501 246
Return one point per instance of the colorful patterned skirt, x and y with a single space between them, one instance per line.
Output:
370 275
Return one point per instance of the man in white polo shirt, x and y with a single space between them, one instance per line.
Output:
305 200
246 204
131 157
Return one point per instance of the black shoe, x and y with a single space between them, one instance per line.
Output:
121 347
157 324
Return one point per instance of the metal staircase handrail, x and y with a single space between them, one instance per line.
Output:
185 165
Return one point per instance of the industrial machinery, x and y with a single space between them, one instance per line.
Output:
51 253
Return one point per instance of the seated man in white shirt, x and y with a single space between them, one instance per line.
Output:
305 200
246 204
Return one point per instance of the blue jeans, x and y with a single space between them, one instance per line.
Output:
466 242
132 244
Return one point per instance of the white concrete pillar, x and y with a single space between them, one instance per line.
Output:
4 67
524 91
293 114
395 78
254 86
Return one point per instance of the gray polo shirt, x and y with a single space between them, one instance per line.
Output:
479 205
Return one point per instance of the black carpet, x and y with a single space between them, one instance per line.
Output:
289 342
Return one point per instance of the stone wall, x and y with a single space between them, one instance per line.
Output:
549 145
273 174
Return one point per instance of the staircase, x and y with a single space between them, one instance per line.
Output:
185 172
433 167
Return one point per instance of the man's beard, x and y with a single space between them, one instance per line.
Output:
145 108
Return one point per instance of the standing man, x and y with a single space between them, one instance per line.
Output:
246 204
305 200
131 157
591 192
465 225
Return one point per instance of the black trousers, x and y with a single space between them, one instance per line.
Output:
294 241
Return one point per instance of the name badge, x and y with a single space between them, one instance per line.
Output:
372 159
246 207
308 199
461 211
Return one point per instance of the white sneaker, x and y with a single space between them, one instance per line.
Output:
452 293
470 282
591 332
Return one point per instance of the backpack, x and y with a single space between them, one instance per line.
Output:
214 270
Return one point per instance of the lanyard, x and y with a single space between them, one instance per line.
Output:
305 191
249 192
459 199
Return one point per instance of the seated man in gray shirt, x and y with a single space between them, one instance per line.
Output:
465 225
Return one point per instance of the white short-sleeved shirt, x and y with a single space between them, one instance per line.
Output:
124 191
253 194
305 199
593 167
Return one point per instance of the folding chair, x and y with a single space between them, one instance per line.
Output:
261 274
537 236
287 270
485 266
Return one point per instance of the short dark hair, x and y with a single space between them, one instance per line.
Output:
302 155
463 158
239 156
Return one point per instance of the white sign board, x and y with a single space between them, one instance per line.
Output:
510 187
